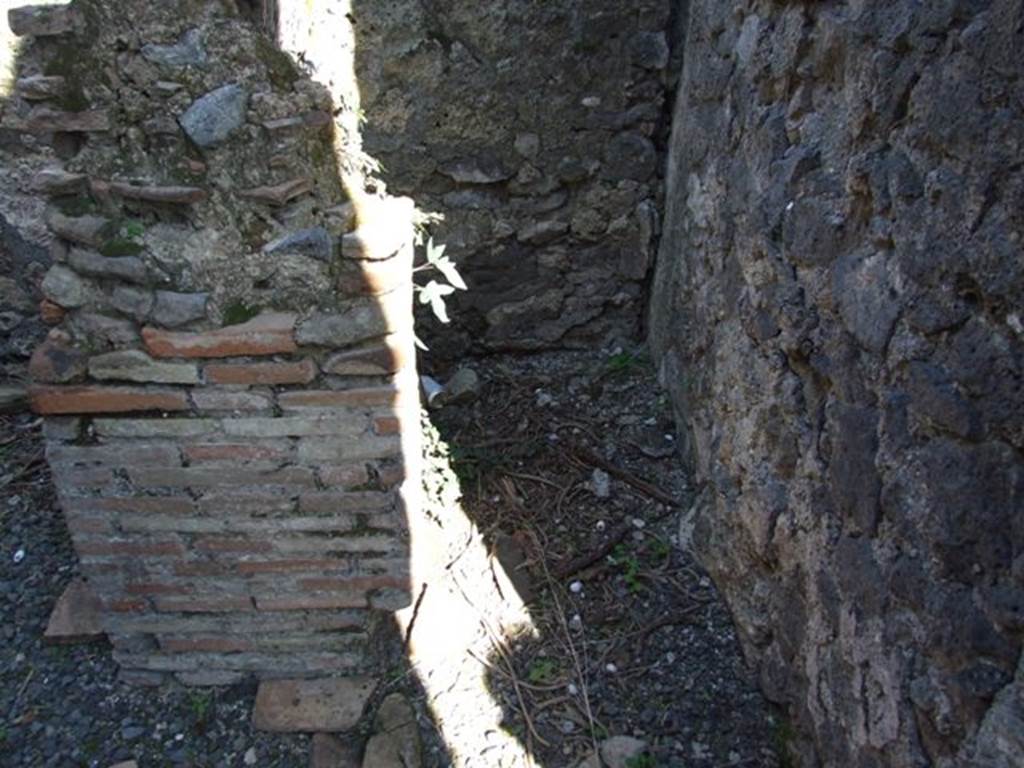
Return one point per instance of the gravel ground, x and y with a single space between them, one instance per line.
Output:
635 642
63 705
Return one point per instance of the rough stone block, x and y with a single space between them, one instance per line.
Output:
56 362
359 320
66 289
334 704
94 399
43 119
188 51
174 309
40 87
128 268
375 360
268 334
136 365
75 617
41 20
215 116
165 195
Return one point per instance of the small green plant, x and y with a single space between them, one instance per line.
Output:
200 703
622 362
542 671
660 549
643 760
435 291
239 312
629 566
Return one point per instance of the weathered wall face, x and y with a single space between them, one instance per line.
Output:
838 316
532 127
229 385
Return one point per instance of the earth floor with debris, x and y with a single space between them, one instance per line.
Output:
557 617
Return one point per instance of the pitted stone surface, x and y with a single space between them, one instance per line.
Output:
824 318
331 704
215 116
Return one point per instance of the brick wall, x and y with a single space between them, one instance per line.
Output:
229 385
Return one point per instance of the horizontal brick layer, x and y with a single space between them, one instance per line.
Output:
300 372
96 399
268 334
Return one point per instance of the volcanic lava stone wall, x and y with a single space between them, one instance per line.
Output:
534 128
837 311
229 385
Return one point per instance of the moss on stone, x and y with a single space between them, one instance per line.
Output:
120 246
281 69
77 205
239 312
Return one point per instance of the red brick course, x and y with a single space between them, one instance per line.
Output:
94 399
268 334
300 372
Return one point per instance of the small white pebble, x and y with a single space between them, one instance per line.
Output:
573 690
670 438
638 523
576 587
19 556
600 525
611 668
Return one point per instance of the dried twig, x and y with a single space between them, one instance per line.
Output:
615 535
588 456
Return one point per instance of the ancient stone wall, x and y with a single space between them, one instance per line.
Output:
534 129
837 316
229 385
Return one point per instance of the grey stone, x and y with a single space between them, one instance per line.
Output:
64 287
112 331
629 156
128 268
328 751
821 317
87 230
477 171
13 296
174 309
187 52
134 302
618 751
13 399
528 145
40 87
542 232
41 20
313 241
76 616
311 706
136 365
463 387
649 50
359 320
395 742
215 116
56 181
